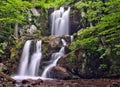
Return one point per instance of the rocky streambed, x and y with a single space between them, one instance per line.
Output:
61 83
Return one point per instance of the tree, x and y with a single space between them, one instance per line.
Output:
12 13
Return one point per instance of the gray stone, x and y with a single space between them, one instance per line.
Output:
35 12
32 29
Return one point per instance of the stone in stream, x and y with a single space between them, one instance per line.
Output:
25 81
60 73
113 84
39 81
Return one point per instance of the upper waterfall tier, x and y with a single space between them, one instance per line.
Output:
60 22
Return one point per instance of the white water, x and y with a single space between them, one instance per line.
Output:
71 38
24 59
64 42
54 58
26 69
35 60
60 22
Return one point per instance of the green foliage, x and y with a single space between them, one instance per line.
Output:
49 3
94 9
72 57
105 17
102 66
86 39
13 11
2 46
103 38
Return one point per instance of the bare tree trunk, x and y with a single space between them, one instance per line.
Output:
16 30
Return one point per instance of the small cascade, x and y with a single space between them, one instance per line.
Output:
63 42
54 58
24 59
29 65
35 60
60 22
71 38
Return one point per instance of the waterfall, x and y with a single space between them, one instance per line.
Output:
60 22
25 58
54 58
35 60
29 65
32 68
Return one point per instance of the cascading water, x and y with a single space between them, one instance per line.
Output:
29 65
63 42
35 60
26 69
60 22
54 58
24 59
71 38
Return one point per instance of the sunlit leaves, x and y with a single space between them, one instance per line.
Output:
107 15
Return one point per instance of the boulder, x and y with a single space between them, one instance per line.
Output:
32 29
58 72
73 64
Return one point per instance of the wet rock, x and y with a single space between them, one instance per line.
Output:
39 81
59 73
25 81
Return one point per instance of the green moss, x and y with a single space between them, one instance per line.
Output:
72 57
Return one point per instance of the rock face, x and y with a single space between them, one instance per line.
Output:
81 64
86 65
74 21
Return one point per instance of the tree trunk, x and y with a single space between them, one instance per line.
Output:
16 30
